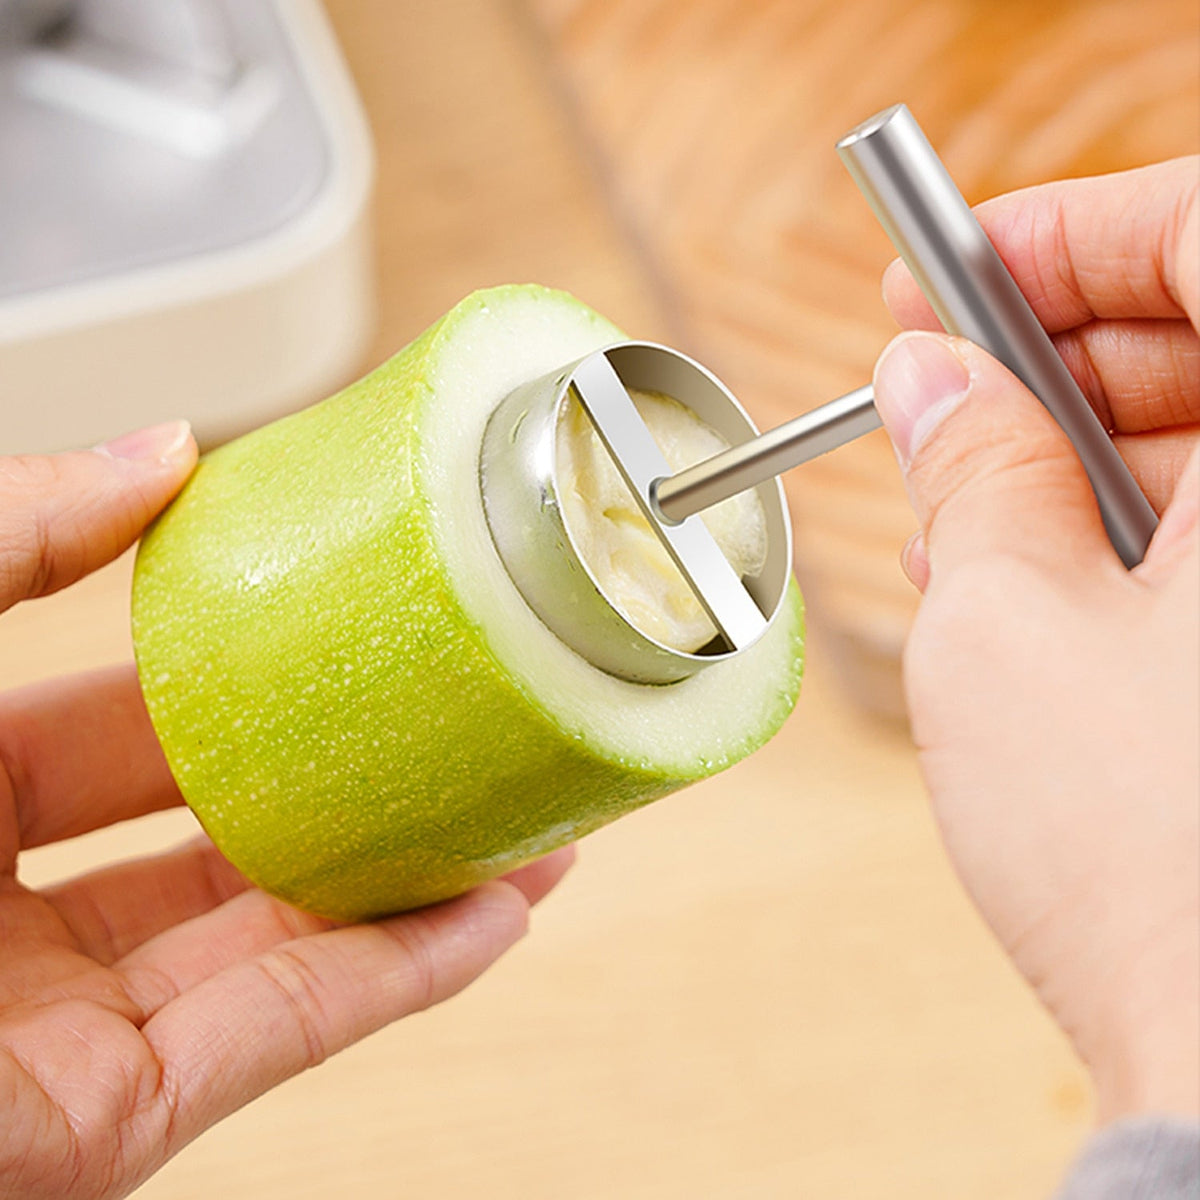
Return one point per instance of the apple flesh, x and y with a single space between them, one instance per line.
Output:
624 555
351 693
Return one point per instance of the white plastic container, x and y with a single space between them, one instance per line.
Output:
187 236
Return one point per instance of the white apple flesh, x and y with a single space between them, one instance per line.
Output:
615 541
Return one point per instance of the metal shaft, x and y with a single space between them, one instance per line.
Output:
842 420
974 296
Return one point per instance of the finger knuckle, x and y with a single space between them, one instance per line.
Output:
27 549
415 937
298 984
1175 248
1002 463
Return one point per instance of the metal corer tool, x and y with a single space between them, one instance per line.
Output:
973 295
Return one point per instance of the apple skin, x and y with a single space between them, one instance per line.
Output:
358 735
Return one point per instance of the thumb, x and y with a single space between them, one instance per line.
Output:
987 468
64 515
1176 536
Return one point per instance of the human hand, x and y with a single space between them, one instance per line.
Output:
1055 697
141 1003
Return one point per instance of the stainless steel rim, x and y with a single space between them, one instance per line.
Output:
519 484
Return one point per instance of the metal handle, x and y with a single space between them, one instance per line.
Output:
975 297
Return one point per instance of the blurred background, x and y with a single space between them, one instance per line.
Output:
769 985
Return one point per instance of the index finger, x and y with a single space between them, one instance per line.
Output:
77 754
1116 246
261 1020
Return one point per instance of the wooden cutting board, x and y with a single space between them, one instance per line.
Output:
713 122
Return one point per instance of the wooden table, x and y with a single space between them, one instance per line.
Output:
769 985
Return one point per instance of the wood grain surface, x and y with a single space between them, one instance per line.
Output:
713 124
770 985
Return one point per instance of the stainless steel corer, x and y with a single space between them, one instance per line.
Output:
973 295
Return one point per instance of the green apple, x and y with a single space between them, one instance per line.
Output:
351 693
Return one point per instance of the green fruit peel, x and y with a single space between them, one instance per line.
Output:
351 693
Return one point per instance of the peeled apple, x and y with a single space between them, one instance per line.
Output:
351 693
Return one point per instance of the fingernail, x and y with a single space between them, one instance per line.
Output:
892 274
158 442
919 380
914 561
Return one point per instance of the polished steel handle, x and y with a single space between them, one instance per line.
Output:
974 296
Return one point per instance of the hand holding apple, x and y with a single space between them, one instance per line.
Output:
142 1003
